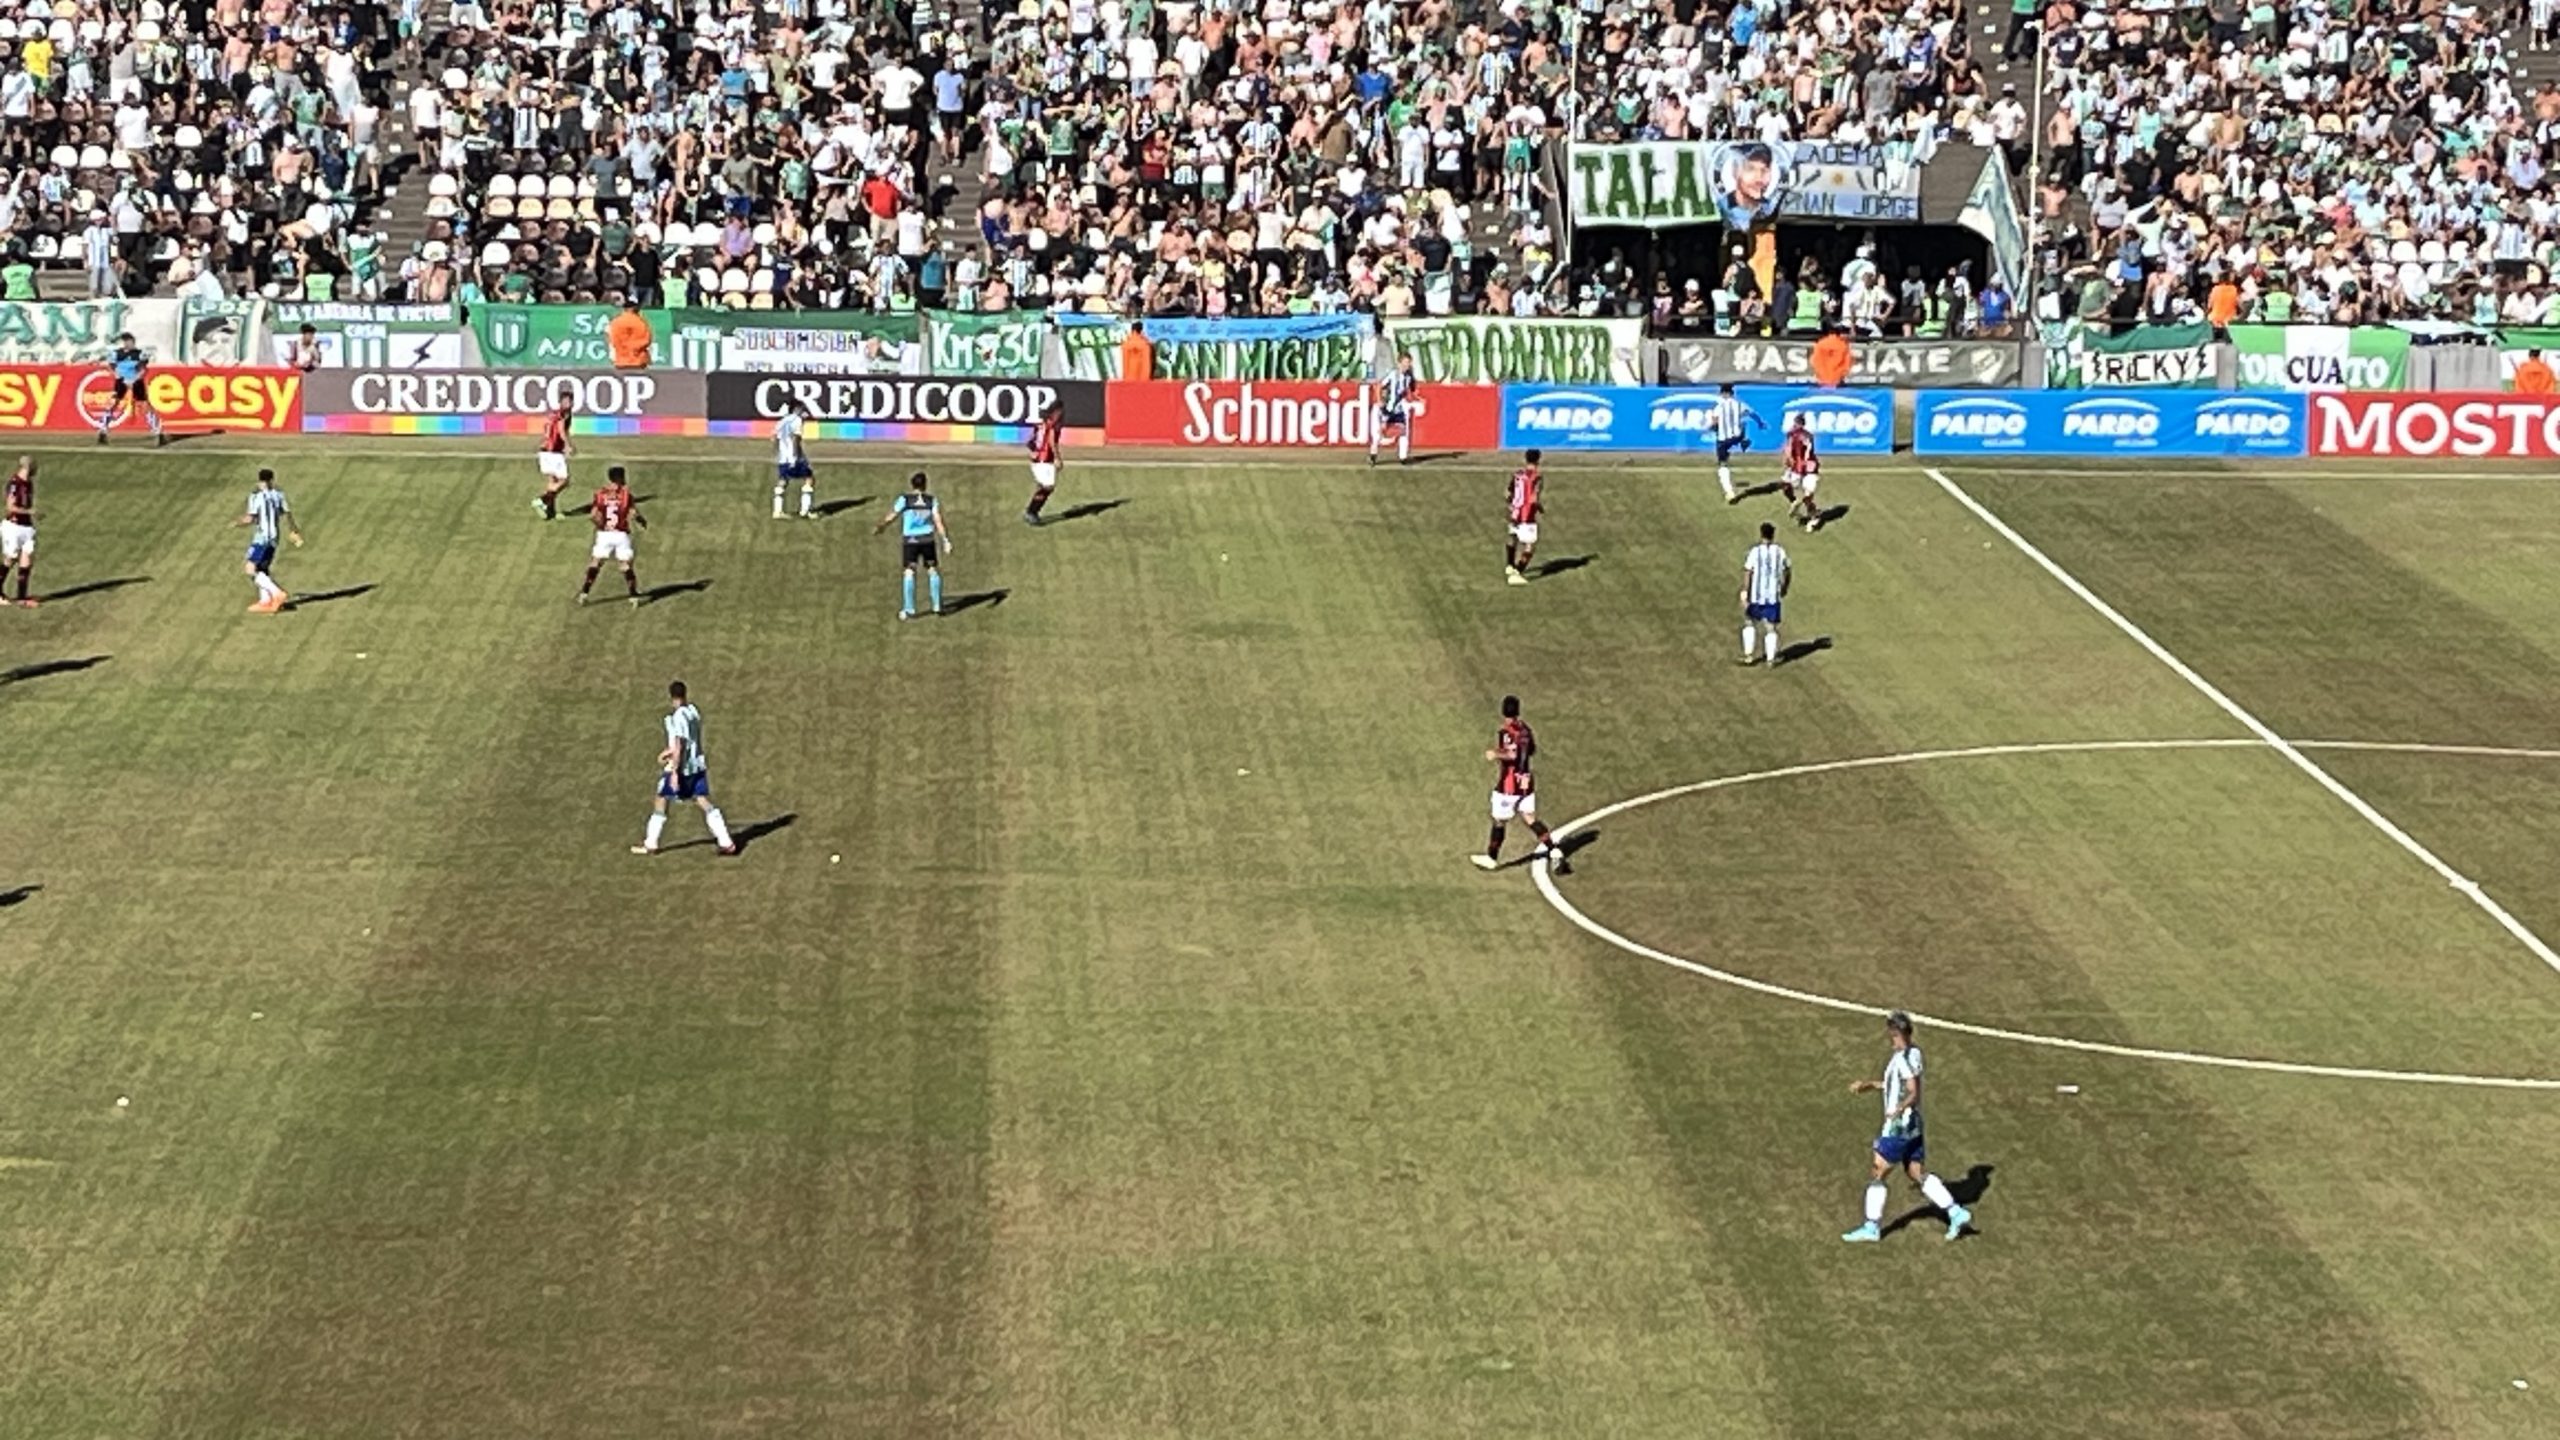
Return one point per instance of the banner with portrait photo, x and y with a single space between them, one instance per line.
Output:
1659 184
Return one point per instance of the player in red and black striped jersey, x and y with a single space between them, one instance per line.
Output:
1044 460
18 529
1515 790
553 460
1801 475
1527 501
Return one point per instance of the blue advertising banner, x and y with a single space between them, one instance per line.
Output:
1626 417
2183 424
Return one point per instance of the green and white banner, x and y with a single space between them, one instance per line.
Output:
2079 356
2517 341
1493 350
220 332
2321 357
1004 343
801 342
355 335
1658 184
78 332
1292 347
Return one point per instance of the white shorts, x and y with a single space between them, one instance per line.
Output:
1507 806
16 541
555 465
1526 534
1803 481
612 545
1044 473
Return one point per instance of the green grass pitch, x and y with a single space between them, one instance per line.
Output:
1153 1064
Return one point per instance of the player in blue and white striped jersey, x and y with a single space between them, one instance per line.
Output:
1766 574
1902 1142
684 773
1397 405
1727 424
791 461
269 517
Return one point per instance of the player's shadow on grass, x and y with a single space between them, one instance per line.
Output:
343 592
1966 1189
1570 846
589 507
1433 457
672 589
1804 649
1562 564
1086 510
95 587
825 508
988 598
1834 515
20 674
746 835
19 896
1754 492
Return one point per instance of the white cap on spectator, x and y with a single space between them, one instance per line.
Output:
453 78
189 137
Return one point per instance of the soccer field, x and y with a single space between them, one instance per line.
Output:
1154 1064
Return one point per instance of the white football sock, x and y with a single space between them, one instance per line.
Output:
1769 643
1404 445
777 497
1936 1189
268 589
808 496
1724 477
1746 642
1875 1202
719 826
657 827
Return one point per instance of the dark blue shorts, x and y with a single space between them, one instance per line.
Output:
1728 447
796 470
1908 1149
260 557
696 786
1765 614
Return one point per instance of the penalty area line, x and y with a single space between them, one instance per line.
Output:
2468 887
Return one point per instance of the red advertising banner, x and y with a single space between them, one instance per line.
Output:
2521 427
1292 413
188 397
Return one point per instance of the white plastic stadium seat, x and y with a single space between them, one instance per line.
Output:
93 157
443 186
760 302
761 283
502 186
706 281
763 232
42 248
563 188
733 281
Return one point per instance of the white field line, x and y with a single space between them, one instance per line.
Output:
1555 897
2469 888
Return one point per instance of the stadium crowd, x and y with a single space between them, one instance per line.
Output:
2323 160
2348 161
149 145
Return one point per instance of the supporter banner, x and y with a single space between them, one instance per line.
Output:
1005 342
2150 424
1904 364
2515 342
1493 350
504 402
1843 422
2514 427
808 342
959 409
1738 183
190 398
81 332
1293 413
354 335
1294 347
219 332
572 337
2321 357
2083 357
